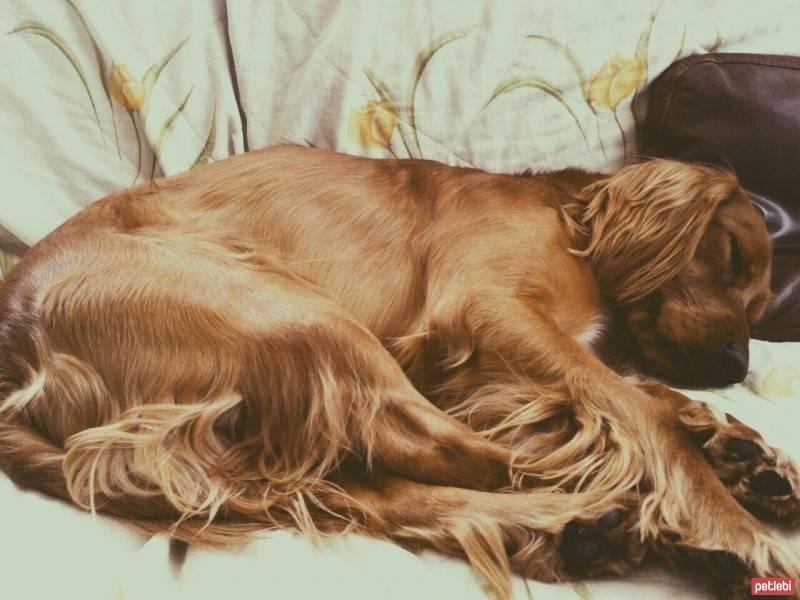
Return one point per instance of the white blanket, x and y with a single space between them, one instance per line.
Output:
51 550
499 85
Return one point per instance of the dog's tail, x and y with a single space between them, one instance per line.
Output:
26 456
192 470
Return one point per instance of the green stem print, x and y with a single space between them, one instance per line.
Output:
622 136
154 72
617 79
515 83
423 58
119 85
208 148
572 60
101 71
42 30
165 130
138 146
373 125
580 74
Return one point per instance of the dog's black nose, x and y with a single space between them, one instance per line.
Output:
732 364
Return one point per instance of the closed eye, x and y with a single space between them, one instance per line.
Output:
736 268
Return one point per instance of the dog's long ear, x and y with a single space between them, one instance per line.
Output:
643 224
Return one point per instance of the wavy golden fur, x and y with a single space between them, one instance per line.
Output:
302 339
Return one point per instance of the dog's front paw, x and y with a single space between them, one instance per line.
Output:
727 575
609 545
763 479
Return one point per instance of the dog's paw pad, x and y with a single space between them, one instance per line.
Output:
769 483
607 545
611 520
760 477
580 546
742 449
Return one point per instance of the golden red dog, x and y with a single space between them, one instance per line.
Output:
430 354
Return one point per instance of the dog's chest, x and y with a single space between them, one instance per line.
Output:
573 301
591 334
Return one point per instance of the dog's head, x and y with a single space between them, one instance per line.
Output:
684 256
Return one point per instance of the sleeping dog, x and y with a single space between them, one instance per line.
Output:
434 355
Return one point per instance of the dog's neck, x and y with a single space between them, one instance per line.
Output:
615 346
569 183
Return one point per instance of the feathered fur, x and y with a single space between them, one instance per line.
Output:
301 339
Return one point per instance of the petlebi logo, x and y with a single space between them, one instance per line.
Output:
772 586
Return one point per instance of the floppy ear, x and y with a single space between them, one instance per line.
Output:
643 224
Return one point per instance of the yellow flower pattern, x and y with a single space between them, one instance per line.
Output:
619 80
616 80
120 85
781 382
373 125
125 88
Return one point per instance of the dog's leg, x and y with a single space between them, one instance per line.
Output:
717 523
711 534
546 535
644 444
